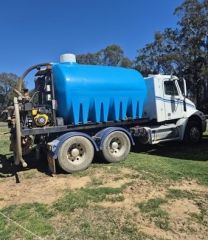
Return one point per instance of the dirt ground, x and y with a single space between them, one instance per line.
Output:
36 186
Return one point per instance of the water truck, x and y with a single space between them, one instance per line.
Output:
76 111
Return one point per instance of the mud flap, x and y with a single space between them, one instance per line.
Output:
51 164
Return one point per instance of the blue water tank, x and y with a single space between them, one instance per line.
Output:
92 93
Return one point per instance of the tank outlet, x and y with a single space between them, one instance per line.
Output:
68 58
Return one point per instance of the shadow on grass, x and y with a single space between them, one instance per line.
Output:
178 150
175 150
9 169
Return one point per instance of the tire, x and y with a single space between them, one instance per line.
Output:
75 154
116 147
193 133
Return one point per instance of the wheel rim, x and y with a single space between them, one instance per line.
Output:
194 134
76 153
116 146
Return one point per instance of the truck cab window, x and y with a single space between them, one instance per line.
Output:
170 88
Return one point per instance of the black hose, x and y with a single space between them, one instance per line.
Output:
21 79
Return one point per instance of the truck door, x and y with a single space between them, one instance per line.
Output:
172 100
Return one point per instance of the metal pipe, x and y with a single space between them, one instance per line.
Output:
18 151
53 101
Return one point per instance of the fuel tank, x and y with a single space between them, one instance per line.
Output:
93 93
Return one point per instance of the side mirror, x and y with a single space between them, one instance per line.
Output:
185 94
184 88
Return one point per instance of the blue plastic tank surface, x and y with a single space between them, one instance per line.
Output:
92 93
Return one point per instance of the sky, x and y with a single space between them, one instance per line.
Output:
36 31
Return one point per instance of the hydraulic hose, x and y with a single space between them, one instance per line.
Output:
18 87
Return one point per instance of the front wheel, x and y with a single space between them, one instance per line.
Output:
75 154
193 133
116 147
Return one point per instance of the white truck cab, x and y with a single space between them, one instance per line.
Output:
173 116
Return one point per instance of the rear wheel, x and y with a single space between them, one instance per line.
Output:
116 147
75 154
193 132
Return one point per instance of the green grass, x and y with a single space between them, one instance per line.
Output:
4 141
82 197
31 216
151 205
152 209
98 223
37 217
159 168
202 217
177 194
95 181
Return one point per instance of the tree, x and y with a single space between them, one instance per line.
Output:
89 58
193 28
126 62
160 56
181 51
7 83
112 55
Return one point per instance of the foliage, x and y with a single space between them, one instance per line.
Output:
159 56
182 51
112 55
7 82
